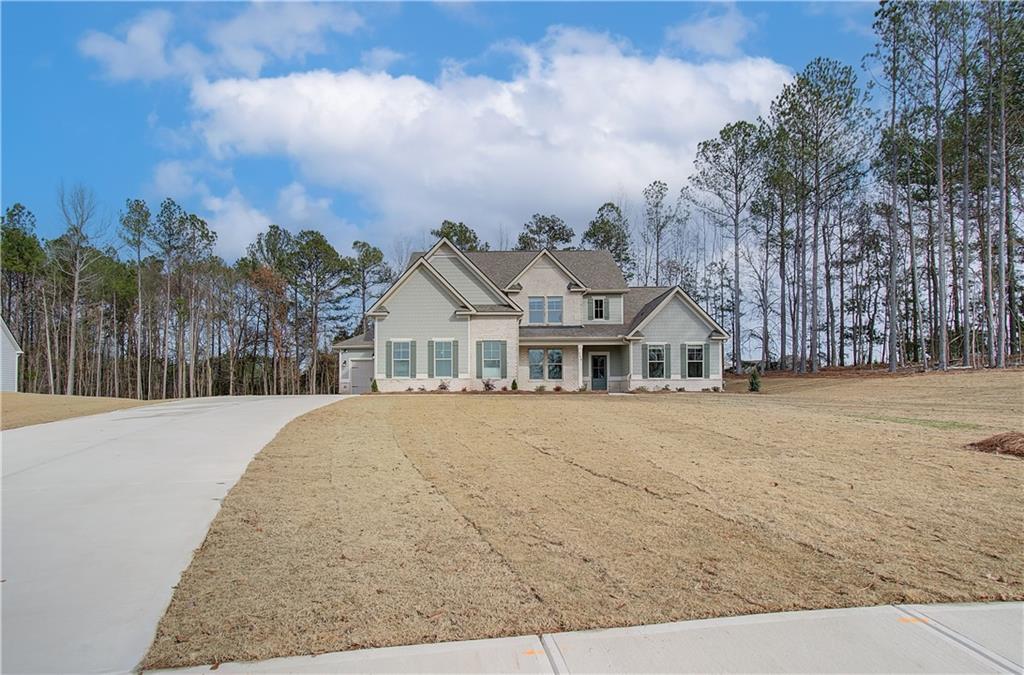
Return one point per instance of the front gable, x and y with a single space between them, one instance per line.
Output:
677 315
471 284
545 269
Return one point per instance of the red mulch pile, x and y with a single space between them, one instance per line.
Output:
1010 443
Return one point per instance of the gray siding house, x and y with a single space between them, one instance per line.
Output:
551 318
10 352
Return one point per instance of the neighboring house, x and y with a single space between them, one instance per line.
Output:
9 354
551 318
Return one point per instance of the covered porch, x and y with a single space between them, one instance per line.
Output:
574 365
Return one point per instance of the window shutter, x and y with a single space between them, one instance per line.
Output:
479 358
668 361
646 361
684 357
412 359
504 359
590 309
455 358
707 359
387 365
430 358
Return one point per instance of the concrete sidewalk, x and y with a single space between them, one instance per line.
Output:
101 515
969 638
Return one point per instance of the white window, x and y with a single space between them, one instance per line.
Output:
695 361
655 361
400 355
536 364
555 309
598 308
545 364
537 309
554 364
443 358
492 358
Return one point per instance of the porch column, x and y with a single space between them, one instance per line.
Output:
579 366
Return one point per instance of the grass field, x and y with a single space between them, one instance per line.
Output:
18 409
392 520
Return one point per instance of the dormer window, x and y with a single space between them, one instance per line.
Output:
598 309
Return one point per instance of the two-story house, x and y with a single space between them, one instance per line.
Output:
551 318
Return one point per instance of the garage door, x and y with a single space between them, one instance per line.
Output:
362 374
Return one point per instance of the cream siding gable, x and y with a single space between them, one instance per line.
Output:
458 274
421 309
676 323
545 278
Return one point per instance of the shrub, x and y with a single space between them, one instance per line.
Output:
755 381
373 386
515 386
504 388
408 388
540 388
680 388
442 385
421 388
488 385
557 387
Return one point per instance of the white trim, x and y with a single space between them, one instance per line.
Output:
476 270
677 291
421 261
685 373
572 277
607 362
10 336
604 308
394 376
433 356
664 361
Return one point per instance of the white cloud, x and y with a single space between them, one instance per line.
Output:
582 120
717 35
235 221
287 31
175 179
380 58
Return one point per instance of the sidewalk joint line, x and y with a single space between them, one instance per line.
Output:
554 654
961 640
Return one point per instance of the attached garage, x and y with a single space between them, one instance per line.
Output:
10 352
355 364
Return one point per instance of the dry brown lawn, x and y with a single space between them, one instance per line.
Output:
18 409
391 520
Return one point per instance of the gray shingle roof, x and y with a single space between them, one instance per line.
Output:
596 269
362 340
639 302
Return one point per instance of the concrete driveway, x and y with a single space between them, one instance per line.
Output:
101 515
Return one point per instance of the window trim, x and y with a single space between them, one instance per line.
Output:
695 345
543 309
604 308
451 358
545 364
647 367
484 359
547 310
395 359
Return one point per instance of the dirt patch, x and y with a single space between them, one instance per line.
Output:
1010 443
20 410
384 521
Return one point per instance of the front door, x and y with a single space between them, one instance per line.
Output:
599 372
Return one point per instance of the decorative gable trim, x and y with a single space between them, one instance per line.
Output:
678 292
579 285
472 266
379 310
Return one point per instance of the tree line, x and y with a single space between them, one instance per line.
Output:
854 224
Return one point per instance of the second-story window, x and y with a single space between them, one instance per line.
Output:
598 308
555 309
536 310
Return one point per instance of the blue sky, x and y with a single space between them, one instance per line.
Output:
375 121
